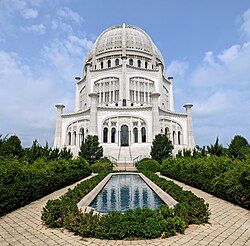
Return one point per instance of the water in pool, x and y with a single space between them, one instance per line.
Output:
123 192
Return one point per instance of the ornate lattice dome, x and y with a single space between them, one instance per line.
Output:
124 37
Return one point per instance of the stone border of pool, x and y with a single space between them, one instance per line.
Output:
83 205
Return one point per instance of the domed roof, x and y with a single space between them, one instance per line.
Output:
124 37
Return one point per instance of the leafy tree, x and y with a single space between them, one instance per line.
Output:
65 154
199 151
238 148
161 148
34 152
215 149
91 149
10 147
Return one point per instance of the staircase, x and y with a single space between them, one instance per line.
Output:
125 161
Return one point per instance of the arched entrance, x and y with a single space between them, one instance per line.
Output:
124 135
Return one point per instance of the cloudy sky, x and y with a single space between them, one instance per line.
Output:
205 44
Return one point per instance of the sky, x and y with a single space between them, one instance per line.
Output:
205 45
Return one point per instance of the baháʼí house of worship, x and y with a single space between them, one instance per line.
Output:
125 98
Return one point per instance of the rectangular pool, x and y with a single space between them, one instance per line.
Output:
123 192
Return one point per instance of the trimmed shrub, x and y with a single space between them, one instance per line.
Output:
148 164
22 183
221 176
102 164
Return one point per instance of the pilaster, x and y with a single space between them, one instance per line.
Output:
155 114
93 113
190 132
58 130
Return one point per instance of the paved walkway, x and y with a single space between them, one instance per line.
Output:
229 225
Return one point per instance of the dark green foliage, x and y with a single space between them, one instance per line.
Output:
64 212
133 224
91 149
36 151
215 149
65 154
139 223
102 164
161 148
190 208
10 147
21 183
239 148
221 176
148 164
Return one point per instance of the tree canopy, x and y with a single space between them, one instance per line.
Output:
161 148
91 149
239 147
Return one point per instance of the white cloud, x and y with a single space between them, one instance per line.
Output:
67 13
39 29
177 68
219 88
58 23
29 13
229 54
209 58
27 99
30 93
67 53
245 26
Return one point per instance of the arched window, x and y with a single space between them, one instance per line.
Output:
101 65
135 132
81 137
69 138
139 63
117 62
105 135
146 65
124 103
109 63
74 138
143 134
131 62
179 137
167 132
113 131
173 137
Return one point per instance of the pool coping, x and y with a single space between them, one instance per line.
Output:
84 204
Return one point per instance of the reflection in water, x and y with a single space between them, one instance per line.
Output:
123 192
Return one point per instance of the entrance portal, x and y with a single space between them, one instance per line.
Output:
124 135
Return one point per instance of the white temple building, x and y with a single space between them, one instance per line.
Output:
125 98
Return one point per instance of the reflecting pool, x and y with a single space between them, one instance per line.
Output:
123 192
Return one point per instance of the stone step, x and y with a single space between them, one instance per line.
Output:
121 165
124 168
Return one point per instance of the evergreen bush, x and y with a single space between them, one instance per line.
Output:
102 164
148 164
221 176
21 183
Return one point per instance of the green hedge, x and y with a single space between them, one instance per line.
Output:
21 183
148 164
102 164
133 224
221 176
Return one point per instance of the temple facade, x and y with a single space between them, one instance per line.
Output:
124 98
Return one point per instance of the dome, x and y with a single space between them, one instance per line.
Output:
124 37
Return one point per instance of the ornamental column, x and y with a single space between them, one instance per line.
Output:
155 114
77 98
58 130
93 113
190 132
